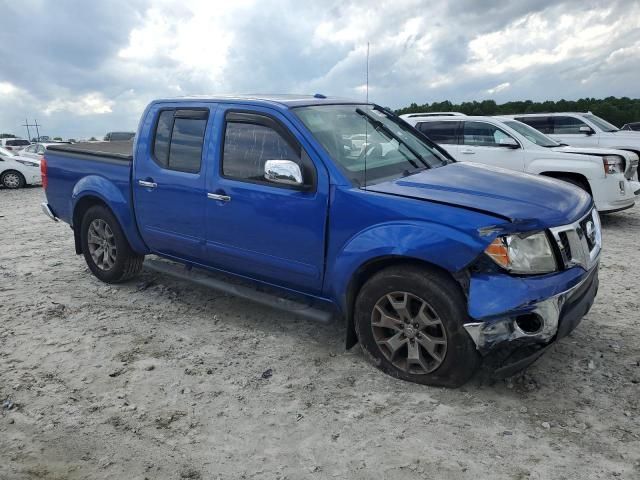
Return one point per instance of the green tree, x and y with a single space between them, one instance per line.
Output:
615 110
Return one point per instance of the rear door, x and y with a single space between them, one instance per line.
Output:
483 142
267 231
169 181
445 133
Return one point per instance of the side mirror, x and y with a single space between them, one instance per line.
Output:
586 130
508 142
284 172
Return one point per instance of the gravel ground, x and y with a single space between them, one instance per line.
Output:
160 379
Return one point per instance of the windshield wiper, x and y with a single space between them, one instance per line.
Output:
378 125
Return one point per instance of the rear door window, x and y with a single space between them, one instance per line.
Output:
179 138
542 124
440 132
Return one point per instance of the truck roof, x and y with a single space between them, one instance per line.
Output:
283 100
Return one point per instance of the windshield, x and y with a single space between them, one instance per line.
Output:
600 123
369 144
6 153
531 134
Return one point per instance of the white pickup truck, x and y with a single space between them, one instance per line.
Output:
582 130
607 174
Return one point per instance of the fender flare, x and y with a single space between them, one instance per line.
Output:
106 192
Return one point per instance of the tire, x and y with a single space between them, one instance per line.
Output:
442 301
576 182
13 179
99 228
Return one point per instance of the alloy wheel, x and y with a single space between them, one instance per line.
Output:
102 244
409 333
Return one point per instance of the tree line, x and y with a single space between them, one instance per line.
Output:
613 109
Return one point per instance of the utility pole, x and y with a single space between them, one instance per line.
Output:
34 124
26 124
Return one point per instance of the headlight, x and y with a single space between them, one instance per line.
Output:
613 164
523 253
28 163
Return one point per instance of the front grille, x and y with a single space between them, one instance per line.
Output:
580 242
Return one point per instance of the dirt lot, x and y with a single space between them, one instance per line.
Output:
160 379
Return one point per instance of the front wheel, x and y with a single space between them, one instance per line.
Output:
409 322
105 248
12 179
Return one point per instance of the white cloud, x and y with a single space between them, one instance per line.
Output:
498 88
90 104
114 57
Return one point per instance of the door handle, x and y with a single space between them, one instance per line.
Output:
146 184
216 196
468 152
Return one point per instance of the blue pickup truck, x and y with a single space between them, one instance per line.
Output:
436 267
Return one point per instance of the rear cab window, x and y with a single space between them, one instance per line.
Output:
179 138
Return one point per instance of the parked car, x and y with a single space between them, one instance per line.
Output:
633 126
119 136
36 150
436 266
14 144
507 143
16 172
582 130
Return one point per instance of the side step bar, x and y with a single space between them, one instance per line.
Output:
273 300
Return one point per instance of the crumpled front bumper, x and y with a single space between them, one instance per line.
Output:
499 304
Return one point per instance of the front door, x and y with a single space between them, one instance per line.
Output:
169 182
483 142
255 227
567 130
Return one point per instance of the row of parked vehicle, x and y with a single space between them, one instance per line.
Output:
579 148
20 158
333 208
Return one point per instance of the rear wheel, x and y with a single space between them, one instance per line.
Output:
410 325
12 179
105 248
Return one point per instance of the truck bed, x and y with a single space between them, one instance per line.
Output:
114 150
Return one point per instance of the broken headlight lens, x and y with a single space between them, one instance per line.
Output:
523 253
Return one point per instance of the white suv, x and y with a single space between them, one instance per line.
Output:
582 130
507 143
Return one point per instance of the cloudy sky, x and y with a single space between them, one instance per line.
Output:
84 68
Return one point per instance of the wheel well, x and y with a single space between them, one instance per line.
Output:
81 208
366 271
575 176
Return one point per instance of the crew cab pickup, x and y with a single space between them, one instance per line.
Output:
607 174
437 267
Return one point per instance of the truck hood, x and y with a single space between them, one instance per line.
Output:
594 151
531 201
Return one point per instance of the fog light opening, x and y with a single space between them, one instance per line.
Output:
529 323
